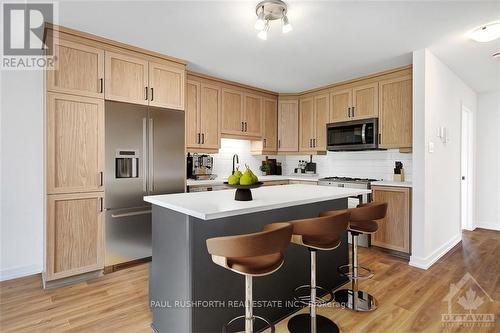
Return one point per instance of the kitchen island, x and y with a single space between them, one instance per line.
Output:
189 293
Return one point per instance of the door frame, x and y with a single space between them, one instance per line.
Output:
466 169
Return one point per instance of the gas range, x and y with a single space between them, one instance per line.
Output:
361 182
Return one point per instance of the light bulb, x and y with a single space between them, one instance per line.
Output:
287 27
260 23
262 34
486 33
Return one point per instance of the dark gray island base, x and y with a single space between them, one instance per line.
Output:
182 271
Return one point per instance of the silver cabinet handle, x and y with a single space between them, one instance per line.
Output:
101 205
349 112
151 155
144 161
101 85
314 142
152 95
199 138
101 178
242 126
264 143
353 108
146 97
246 128
141 212
202 138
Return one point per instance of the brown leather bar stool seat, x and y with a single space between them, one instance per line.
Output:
363 220
257 254
320 233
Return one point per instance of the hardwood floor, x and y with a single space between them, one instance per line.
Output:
410 299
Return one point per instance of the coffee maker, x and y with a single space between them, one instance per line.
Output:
200 166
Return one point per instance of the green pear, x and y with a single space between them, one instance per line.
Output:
233 180
255 179
238 173
247 178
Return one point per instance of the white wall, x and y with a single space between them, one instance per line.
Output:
438 98
22 203
488 162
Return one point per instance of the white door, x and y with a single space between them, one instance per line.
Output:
466 167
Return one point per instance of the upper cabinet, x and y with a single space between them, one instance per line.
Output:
232 112
321 118
365 101
133 79
202 116
241 114
166 84
395 112
75 143
340 104
270 125
79 69
306 125
288 125
252 115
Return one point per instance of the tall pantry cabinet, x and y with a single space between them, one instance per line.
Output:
89 70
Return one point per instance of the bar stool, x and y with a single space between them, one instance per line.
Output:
256 254
362 221
319 233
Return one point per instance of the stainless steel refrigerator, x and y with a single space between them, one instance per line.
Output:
144 156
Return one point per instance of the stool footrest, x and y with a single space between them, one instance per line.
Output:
363 273
306 298
235 319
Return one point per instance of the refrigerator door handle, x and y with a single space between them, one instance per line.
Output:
144 150
151 156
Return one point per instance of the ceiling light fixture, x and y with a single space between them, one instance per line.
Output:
271 10
486 33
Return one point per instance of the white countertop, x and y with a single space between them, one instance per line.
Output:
220 181
391 183
218 204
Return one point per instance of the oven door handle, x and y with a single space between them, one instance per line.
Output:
363 134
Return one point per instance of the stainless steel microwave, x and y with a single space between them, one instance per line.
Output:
352 135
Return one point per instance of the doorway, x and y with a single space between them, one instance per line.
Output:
466 169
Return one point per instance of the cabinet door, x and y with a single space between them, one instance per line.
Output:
193 100
253 115
79 70
209 116
394 230
126 78
395 113
340 102
365 101
306 124
75 234
232 112
166 84
288 126
270 126
321 114
75 143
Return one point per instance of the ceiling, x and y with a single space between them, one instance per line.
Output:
332 41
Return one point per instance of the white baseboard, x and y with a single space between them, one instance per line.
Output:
488 225
13 273
428 261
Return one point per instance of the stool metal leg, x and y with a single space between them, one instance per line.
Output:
354 298
248 305
313 323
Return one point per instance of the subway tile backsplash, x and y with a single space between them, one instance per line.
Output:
363 164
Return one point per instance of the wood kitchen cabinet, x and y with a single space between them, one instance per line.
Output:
133 79
395 112
202 114
79 69
313 115
358 102
75 143
394 230
241 114
288 125
270 125
75 234
166 84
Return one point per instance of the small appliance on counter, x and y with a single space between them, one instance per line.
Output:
199 167
274 167
399 172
